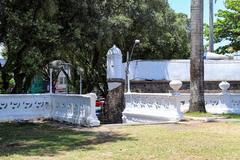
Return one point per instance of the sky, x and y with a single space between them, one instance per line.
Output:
184 6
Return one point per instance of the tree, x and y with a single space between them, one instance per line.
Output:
227 27
197 63
29 35
211 38
81 32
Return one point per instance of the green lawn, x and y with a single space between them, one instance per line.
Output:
198 114
225 115
232 116
50 141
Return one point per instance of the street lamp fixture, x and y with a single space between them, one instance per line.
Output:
127 68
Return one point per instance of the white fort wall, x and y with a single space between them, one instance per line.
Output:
214 70
76 109
167 70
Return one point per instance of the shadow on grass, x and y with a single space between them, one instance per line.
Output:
231 115
41 139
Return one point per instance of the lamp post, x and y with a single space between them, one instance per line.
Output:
51 81
127 69
80 70
80 83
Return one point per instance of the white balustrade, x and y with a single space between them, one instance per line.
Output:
24 107
216 103
157 107
76 109
151 108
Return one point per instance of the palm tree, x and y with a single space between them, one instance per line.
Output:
211 40
197 63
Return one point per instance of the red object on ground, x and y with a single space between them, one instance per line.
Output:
99 103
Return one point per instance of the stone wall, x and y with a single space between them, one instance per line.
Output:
114 105
163 87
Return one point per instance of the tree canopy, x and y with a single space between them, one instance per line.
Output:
227 27
80 32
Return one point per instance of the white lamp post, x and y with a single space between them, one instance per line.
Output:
51 81
127 69
80 84
80 70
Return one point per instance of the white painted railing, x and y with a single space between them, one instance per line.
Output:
76 109
24 107
216 103
157 107
151 108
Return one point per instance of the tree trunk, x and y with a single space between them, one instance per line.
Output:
197 103
5 80
27 83
114 105
211 35
19 78
17 71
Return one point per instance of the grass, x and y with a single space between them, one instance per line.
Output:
201 114
231 115
198 114
50 141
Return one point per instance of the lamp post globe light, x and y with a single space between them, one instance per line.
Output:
137 41
127 68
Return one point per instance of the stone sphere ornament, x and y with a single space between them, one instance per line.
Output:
175 85
224 86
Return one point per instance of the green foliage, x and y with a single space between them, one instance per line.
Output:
198 114
231 115
227 27
81 32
